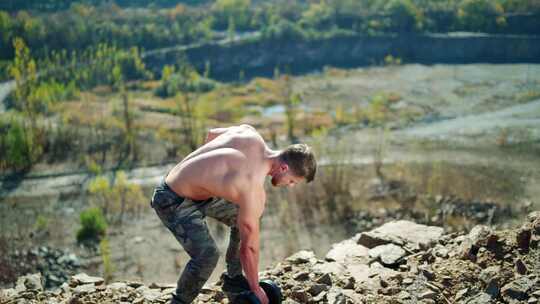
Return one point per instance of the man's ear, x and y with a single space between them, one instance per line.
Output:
283 167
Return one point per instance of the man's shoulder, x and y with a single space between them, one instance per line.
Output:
245 128
248 126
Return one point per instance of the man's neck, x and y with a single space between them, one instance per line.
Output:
271 158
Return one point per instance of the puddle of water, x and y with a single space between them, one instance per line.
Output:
273 110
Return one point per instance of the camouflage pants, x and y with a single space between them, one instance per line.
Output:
185 218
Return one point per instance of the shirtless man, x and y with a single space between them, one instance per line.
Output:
224 179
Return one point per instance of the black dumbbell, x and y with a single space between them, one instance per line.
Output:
271 289
246 297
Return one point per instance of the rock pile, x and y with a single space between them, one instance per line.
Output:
474 211
398 262
56 265
486 212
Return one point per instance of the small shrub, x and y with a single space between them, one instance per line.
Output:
391 60
93 225
41 223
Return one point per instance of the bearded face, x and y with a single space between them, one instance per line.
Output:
285 179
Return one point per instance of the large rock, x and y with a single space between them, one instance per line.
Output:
151 294
403 233
377 269
481 298
389 254
347 251
360 272
302 256
334 268
83 278
480 235
85 288
534 221
336 296
29 282
317 288
490 273
518 289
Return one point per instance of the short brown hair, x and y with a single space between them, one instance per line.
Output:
301 160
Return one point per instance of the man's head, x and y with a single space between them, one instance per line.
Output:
295 164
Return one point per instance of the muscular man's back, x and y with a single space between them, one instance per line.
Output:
218 168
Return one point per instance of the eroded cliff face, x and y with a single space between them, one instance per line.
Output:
296 56
398 262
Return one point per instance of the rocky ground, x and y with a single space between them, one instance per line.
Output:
398 262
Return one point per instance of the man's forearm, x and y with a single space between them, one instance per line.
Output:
249 258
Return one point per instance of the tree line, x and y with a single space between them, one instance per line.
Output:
76 25
53 5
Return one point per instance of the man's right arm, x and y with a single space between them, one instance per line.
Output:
248 218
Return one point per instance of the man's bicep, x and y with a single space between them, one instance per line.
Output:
249 213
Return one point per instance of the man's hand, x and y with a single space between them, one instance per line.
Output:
247 221
261 295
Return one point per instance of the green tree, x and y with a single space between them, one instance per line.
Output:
318 15
522 6
5 31
231 29
129 132
16 146
24 72
101 190
480 15
116 199
166 73
235 10
404 16
291 101
188 120
128 197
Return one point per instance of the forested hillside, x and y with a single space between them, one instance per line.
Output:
77 25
